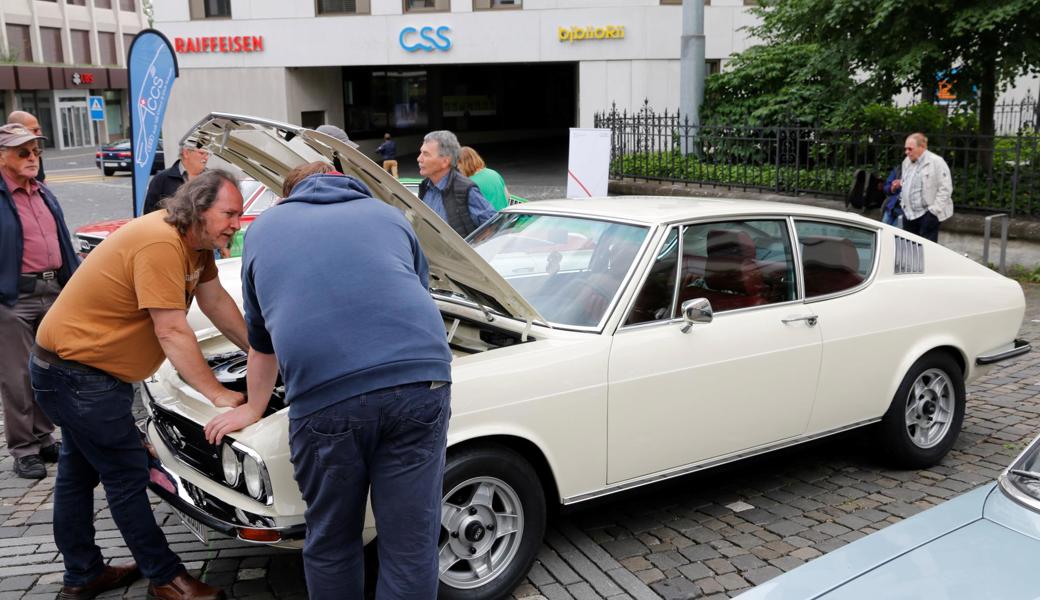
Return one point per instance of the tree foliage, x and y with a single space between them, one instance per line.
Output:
902 44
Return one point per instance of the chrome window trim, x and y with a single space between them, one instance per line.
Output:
682 225
1012 491
874 267
693 468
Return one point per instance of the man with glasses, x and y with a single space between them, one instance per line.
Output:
190 164
925 189
36 259
27 120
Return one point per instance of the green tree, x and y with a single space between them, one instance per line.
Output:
785 83
898 44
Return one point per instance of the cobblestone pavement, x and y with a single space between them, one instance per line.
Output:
710 535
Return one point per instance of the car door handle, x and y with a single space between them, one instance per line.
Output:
810 320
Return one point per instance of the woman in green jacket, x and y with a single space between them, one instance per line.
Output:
488 180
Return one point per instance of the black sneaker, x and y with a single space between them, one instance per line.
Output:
50 453
30 467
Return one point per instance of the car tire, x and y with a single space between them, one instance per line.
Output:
926 414
108 172
497 486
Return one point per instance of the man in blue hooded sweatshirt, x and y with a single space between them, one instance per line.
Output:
364 356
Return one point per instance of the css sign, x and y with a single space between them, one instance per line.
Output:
425 38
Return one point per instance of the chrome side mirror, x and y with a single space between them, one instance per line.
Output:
697 310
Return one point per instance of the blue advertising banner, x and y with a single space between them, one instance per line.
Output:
152 67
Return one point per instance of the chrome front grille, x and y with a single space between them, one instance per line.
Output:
187 441
909 256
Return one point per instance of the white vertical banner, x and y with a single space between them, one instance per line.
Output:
588 163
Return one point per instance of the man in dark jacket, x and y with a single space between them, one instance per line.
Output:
447 191
367 372
36 260
192 161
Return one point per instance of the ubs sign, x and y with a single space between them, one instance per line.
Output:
427 39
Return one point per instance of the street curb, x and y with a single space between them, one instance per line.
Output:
1019 228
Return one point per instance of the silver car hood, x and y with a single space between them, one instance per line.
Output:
268 150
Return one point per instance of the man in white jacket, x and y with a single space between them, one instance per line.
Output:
927 189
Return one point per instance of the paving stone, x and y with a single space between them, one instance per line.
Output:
677 589
625 548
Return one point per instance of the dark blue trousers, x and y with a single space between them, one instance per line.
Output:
926 226
100 443
392 440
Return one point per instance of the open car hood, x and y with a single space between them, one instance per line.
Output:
268 150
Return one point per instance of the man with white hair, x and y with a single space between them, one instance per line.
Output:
190 164
448 192
927 189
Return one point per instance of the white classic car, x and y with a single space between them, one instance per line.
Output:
606 344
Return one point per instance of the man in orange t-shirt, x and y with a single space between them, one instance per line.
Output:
118 317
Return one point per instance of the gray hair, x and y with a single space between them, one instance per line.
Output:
919 139
184 209
187 145
447 144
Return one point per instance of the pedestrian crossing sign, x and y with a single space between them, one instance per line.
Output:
97 108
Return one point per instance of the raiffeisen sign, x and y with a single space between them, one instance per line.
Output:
219 43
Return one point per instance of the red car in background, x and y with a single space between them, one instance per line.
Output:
257 199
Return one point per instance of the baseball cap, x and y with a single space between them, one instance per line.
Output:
336 132
14 134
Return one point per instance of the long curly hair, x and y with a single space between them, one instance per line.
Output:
184 209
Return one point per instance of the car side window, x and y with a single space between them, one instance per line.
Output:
654 301
737 264
835 257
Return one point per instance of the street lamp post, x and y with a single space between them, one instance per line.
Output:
691 73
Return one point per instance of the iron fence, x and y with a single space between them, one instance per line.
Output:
990 173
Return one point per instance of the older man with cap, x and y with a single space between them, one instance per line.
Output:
36 259
27 120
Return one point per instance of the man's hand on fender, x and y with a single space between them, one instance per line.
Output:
230 422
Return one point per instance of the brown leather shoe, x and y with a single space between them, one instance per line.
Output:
111 578
185 587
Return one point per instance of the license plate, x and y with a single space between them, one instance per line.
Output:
195 527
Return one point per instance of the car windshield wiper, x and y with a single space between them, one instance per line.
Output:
1034 475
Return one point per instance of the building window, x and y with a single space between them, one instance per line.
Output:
427 5
80 46
492 4
210 9
19 47
355 7
76 2
127 5
50 40
712 66
107 48
128 38
103 3
706 2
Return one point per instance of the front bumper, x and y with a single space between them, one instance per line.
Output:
212 512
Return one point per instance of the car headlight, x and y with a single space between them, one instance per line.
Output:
254 480
232 466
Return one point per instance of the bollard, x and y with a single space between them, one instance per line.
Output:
1003 241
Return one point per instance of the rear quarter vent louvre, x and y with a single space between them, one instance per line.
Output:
909 256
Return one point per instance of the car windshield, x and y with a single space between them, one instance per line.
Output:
568 268
1024 474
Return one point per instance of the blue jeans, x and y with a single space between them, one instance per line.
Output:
392 440
100 443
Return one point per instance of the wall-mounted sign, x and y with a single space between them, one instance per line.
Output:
581 34
426 38
219 43
82 78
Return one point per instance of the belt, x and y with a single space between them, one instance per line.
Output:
44 355
40 275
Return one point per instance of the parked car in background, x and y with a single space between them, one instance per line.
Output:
116 156
983 544
605 344
257 196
